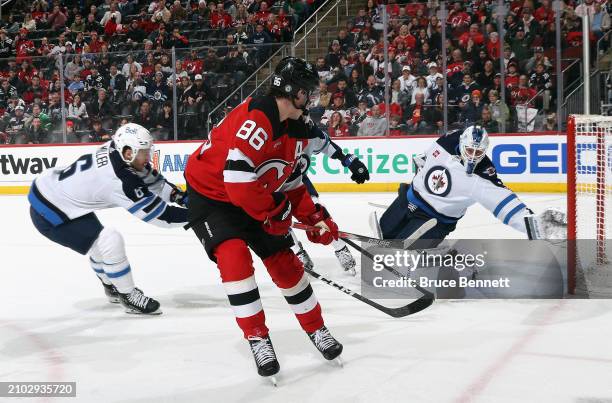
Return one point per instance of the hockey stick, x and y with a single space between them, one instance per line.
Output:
378 205
381 243
411 308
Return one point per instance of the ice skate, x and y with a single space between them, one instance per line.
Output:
265 357
137 303
326 344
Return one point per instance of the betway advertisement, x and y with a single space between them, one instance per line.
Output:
528 160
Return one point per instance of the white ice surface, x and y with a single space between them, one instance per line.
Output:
55 325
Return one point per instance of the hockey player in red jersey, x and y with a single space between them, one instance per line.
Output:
238 199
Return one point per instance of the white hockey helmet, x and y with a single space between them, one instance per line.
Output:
473 144
133 136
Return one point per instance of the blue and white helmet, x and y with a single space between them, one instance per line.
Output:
473 145
135 137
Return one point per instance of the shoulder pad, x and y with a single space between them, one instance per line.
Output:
486 170
267 105
450 142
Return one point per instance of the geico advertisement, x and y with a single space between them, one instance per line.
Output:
526 158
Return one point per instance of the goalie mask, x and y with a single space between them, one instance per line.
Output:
473 145
135 137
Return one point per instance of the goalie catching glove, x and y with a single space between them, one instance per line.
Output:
329 229
550 224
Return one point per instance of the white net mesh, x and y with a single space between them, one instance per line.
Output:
593 204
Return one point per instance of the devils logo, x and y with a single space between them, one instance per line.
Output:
274 173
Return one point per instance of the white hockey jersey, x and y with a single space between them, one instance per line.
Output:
444 190
100 180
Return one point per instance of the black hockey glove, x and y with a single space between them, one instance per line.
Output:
359 170
179 197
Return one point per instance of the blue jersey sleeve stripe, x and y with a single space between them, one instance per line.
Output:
141 204
119 273
513 212
43 210
155 212
503 204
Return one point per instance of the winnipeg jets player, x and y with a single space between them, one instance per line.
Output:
454 174
117 174
319 142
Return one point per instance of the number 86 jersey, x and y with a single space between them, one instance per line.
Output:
100 180
250 155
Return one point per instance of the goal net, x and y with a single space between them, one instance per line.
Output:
589 205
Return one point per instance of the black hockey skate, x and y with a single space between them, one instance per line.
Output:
138 303
111 293
304 258
346 259
326 344
265 357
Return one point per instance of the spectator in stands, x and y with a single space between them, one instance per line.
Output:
499 110
338 126
336 106
54 109
57 19
6 92
16 126
538 57
93 25
522 94
372 92
98 133
374 124
135 34
157 90
433 76
415 115
116 81
486 78
161 13
144 117
45 121
323 70
540 80
35 90
350 99
212 61
487 122
332 59
600 21
77 111
261 39
419 88
165 123
35 133
512 76
458 19
126 70
101 108
472 111
78 25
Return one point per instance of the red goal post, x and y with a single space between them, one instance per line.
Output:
589 204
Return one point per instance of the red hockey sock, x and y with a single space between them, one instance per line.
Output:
236 268
288 274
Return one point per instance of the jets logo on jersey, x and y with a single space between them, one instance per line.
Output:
273 173
438 181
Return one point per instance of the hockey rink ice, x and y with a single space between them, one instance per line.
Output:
56 325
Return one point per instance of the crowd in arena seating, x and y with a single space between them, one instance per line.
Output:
116 63
112 61
350 100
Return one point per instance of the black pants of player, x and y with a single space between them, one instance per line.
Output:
214 222
78 234
399 222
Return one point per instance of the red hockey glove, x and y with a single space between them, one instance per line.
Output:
278 221
329 229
